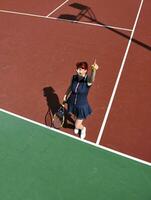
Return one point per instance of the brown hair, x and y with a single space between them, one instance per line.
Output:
83 65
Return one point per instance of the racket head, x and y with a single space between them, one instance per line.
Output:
59 118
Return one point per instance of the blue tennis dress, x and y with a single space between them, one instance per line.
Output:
77 102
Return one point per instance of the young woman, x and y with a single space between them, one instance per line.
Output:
76 95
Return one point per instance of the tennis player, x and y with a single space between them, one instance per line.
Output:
76 95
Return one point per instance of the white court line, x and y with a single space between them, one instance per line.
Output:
58 19
57 8
22 13
118 77
76 138
92 24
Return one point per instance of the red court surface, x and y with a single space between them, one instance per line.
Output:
105 12
130 115
35 6
38 53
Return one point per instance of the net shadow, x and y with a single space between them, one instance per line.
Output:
87 12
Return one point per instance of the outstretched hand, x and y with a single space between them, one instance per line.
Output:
95 65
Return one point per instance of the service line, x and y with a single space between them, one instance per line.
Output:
65 20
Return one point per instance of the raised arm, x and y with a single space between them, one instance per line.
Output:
94 68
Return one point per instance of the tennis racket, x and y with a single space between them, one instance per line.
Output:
59 118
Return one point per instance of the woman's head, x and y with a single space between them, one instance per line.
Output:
82 68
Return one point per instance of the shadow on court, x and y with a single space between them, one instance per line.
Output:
87 12
54 104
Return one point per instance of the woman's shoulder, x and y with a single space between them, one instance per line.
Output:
83 80
74 77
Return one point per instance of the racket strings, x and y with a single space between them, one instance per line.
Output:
59 118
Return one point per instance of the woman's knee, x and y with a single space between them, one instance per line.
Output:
78 124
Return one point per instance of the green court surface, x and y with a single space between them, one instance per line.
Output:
39 164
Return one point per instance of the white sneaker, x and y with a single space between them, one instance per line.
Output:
76 131
83 133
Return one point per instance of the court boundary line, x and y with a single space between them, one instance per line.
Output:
65 20
118 77
92 24
57 8
77 138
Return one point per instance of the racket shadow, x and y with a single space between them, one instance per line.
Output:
54 104
48 119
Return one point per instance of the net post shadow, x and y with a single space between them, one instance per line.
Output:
87 12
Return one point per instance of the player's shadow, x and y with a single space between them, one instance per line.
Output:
54 104
87 13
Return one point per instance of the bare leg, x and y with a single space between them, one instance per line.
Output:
78 124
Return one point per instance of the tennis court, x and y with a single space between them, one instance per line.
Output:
41 41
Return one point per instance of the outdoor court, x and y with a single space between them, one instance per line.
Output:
40 43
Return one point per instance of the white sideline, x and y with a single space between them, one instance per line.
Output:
118 78
74 137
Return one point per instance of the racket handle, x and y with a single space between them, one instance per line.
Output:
63 103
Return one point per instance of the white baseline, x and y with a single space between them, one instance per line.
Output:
76 138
